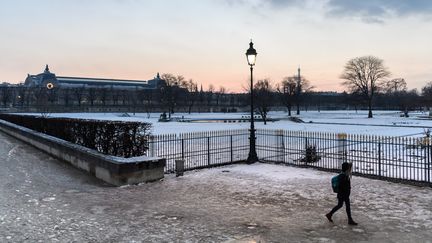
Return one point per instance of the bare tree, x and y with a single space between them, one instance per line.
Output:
409 99
146 97
395 85
133 99
209 96
66 95
303 87
23 94
123 96
427 95
5 94
191 95
354 99
79 94
396 89
115 95
52 95
365 75
42 101
219 95
171 91
288 89
91 95
263 94
103 95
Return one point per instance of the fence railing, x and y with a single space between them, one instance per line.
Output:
201 149
401 158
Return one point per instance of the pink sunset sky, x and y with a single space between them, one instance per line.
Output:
206 40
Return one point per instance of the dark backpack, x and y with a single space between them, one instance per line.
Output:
335 183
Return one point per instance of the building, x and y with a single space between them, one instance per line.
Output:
50 80
46 92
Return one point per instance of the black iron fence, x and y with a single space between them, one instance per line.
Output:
200 149
398 158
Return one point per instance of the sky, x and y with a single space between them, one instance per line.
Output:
206 40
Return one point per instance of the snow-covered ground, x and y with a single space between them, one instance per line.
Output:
347 122
44 200
394 157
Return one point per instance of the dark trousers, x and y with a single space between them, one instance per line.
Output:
341 200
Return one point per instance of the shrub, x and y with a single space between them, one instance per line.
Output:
311 154
117 138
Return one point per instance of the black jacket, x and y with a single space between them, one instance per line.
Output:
344 186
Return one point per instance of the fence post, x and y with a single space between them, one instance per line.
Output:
152 146
231 147
428 160
305 150
379 159
182 148
280 147
179 167
429 163
208 150
342 148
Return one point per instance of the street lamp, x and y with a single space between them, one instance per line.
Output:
251 58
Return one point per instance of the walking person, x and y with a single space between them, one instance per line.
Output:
343 193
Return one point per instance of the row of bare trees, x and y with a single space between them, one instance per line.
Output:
175 93
367 76
178 91
367 79
289 92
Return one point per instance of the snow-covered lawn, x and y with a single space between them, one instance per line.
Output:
365 126
395 157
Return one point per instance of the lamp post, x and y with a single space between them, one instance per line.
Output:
251 58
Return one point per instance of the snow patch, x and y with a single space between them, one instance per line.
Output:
277 172
48 199
12 152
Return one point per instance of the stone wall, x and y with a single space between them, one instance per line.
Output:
113 170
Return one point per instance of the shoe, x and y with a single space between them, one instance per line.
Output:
351 222
328 216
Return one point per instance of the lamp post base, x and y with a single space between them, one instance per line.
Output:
252 158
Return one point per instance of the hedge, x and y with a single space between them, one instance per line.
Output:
118 138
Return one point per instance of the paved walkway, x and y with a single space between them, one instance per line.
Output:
43 199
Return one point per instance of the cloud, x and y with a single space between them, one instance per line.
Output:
270 3
284 3
376 9
368 11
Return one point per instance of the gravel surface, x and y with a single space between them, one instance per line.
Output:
45 200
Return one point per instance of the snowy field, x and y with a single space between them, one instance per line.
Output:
45 200
385 123
403 155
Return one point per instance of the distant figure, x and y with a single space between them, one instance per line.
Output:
343 193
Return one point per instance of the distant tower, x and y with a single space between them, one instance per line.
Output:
157 76
299 89
298 71
298 80
46 69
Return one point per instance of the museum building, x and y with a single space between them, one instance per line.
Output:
50 80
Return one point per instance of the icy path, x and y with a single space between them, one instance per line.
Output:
42 199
